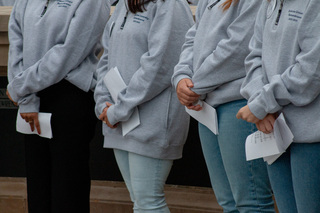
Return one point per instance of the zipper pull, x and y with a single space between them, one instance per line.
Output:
45 8
214 4
279 13
124 21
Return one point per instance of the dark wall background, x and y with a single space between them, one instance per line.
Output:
190 170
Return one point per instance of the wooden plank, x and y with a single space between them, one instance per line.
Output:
113 197
4 55
4 38
5 10
4 18
3 71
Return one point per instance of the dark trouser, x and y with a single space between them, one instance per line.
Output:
58 176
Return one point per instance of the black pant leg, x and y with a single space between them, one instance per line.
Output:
73 123
38 170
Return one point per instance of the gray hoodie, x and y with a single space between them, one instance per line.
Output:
48 44
215 48
145 47
7 2
283 68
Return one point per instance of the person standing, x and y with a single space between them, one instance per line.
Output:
51 68
143 39
211 68
283 77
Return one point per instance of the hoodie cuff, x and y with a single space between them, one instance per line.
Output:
257 108
177 79
13 95
30 103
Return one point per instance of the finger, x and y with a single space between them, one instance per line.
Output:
111 126
185 88
189 83
189 97
272 119
198 108
258 126
185 102
31 126
108 104
239 115
188 92
268 127
190 107
37 125
23 116
101 116
188 100
253 119
195 108
261 127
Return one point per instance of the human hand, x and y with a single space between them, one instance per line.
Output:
15 103
186 96
104 117
245 114
266 124
195 106
32 119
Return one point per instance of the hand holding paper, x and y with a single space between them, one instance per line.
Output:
207 116
45 124
269 146
115 84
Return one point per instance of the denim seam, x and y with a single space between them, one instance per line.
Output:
254 188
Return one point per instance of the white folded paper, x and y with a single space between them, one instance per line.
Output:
45 125
269 146
115 84
207 116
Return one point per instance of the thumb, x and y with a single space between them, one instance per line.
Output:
189 83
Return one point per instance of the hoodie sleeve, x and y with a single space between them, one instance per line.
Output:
221 65
101 93
15 59
299 84
184 69
59 60
171 21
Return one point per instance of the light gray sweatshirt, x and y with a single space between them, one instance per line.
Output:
7 2
215 48
48 44
145 47
283 68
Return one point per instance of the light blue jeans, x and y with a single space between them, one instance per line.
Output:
145 178
295 179
239 185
